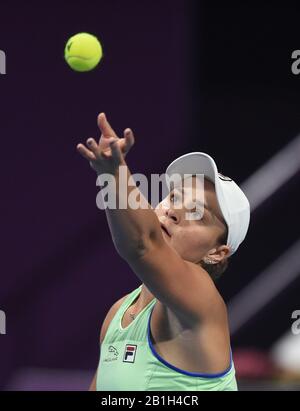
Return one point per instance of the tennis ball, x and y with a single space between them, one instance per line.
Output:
83 52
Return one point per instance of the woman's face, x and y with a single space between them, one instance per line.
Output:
191 238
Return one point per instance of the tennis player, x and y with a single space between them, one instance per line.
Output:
171 333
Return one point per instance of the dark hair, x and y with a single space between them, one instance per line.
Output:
216 270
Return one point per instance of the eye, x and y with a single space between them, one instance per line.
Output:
197 215
174 198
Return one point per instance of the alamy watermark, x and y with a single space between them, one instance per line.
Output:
2 62
296 324
133 192
295 67
2 322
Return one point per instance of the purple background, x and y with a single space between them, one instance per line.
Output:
184 76
60 272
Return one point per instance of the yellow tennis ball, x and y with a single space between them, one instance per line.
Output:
83 52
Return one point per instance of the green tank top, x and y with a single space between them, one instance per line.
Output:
129 362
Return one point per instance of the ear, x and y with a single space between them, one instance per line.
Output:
216 255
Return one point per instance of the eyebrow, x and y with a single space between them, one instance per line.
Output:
206 206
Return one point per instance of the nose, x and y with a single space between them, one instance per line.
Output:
173 214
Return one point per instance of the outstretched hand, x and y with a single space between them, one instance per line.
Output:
110 152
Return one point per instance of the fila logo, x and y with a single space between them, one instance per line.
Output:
129 354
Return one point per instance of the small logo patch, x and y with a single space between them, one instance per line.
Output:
224 178
129 354
113 354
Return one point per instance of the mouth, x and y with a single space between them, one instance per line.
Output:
165 230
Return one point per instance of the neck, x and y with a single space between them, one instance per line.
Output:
144 298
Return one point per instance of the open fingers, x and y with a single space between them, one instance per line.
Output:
93 146
85 152
128 140
115 150
105 127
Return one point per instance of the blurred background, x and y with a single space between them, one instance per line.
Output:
185 76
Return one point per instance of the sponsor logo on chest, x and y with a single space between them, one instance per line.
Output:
129 353
112 354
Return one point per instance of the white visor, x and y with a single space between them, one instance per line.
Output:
233 203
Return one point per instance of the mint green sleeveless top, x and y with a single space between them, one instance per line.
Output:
129 362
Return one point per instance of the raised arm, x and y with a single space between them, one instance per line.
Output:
181 285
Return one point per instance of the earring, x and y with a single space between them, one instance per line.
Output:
209 261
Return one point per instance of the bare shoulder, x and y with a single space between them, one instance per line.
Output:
109 316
